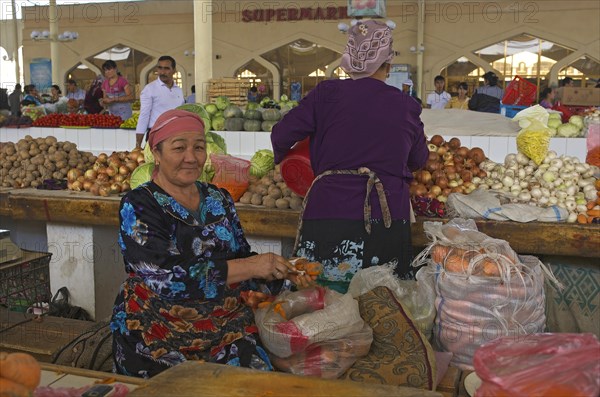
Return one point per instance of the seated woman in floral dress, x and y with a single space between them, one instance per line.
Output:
188 261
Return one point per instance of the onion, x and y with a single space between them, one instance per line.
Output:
437 174
437 140
91 174
447 156
457 189
424 176
119 178
73 174
433 157
454 143
466 176
442 150
432 147
115 188
482 174
442 182
112 170
87 185
420 190
125 186
476 154
446 192
451 175
104 191
525 196
102 157
95 189
549 176
436 190
536 193
570 205
572 218
77 186
522 159
508 181
124 170
140 159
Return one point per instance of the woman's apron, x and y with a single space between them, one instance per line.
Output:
373 180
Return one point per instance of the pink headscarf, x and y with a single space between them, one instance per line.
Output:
369 46
171 123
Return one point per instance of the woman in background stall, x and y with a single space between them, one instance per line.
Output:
118 94
461 101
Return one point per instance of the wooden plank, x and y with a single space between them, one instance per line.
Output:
192 378
39 337
260 221
61 369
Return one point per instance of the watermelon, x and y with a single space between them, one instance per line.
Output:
271 115
232 111
267 125
253 115
234 124
252 125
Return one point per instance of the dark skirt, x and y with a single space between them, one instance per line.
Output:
344 247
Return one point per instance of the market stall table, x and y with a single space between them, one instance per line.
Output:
80 230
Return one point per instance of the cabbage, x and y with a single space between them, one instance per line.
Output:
577 121
252 106
200 111
211 108
218 123
554 123
141 174
283 98
222 102
214 144
554 116
552 131
568 130
261 163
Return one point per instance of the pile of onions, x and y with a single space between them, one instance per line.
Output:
450 168
109 174
562 181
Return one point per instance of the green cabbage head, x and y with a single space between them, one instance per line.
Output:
261 163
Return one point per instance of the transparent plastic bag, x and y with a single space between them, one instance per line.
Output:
483 289
551 365
314 331
328 359
417 296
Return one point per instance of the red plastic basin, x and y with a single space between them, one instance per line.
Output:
296 170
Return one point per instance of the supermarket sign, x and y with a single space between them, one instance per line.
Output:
294 14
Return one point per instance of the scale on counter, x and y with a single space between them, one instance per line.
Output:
8 250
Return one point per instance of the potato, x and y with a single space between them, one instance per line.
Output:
262 189
296 203
266 180
269 202
278 177
256 199
282 203
286 192
246 197
275 192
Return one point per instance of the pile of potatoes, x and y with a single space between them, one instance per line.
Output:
28 162
271 192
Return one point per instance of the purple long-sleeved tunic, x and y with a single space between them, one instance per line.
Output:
352 124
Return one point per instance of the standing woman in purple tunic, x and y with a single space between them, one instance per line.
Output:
366 138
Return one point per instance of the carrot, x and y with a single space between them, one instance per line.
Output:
438 253
279 310
455 264
582 218
490 268
593 213
313 268
262 305
590 205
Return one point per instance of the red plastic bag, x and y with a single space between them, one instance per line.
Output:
231 173
550 365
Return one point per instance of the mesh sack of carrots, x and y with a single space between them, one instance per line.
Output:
314 331
484 290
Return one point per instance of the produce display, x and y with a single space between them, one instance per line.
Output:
78 120
108 175
450 168
271 192
31 161
131 122
15 121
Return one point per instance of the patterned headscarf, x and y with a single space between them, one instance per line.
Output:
369 46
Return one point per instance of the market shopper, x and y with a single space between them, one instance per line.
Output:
188 260
438 98
117 93
55 93
32 97
159 96
407 87
487 98
547 97
14 100
94 96
363 134
461 101
74 92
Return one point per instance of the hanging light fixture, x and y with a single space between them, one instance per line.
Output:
45 36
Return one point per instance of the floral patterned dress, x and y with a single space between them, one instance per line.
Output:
175 305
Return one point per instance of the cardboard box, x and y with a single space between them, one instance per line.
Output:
579 96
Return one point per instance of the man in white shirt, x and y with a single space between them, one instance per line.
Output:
158 97
439 98
74 92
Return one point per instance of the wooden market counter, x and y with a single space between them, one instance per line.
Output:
80 208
